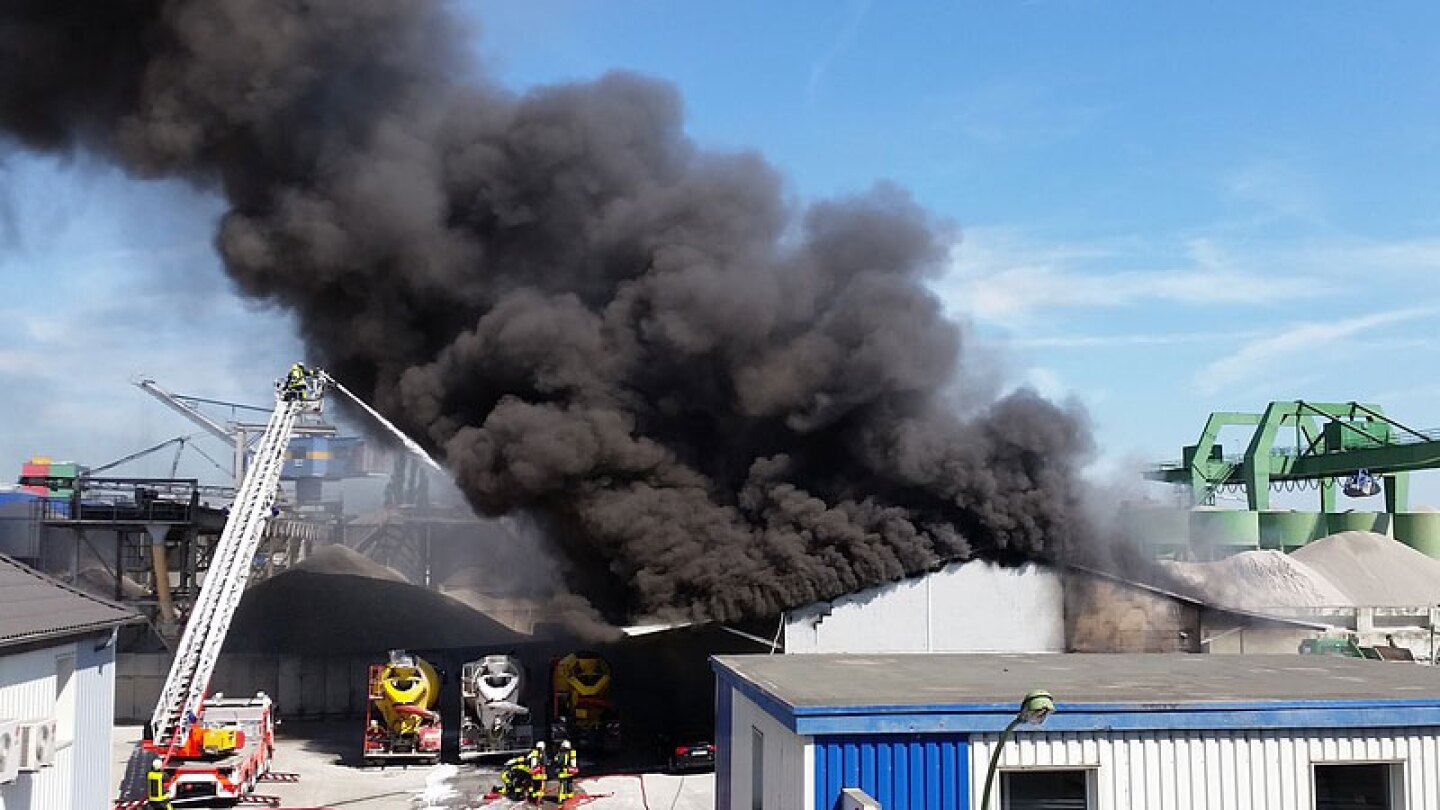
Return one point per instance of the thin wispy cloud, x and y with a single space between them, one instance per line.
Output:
1415 258
1276 189
25 363
1309 339
1019 112
999 277
68 365
1128 340
854 17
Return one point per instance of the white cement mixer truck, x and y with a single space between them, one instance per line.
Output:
493 720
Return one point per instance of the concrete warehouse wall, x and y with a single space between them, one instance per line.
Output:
1415 628
661 681
964 607
1218 769
300 686
1228 634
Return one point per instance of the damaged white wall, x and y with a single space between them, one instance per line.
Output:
965 607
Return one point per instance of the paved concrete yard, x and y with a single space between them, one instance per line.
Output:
324 754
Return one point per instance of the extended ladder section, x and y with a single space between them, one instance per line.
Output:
180 700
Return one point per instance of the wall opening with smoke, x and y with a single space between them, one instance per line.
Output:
714 402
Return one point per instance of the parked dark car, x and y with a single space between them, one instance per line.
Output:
687 751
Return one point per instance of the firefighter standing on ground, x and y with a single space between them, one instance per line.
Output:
567 767
156 797
536 763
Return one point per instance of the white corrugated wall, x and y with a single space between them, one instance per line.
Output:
27 692
94 721
787 768
1217 770
1003 609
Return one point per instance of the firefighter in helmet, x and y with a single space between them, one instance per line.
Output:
156 796
538 766
567 767
515 778
295 382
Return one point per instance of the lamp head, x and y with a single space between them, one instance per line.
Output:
1037 706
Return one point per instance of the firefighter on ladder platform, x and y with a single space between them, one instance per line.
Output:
156 796
295 382
538 766
567 767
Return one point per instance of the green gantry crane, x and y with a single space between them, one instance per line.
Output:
1331 441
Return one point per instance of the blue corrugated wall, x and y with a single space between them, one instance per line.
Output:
902 772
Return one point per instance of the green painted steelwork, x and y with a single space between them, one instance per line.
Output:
1330 441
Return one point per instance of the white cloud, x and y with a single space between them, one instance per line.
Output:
1126 340
1262 356
1018 112
854 16
1361 259
1279 188
1000 277
69 369
24 363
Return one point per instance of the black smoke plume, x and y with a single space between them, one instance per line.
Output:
717 403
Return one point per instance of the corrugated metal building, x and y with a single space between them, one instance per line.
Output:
57 692
1009 609
977 606
1141 732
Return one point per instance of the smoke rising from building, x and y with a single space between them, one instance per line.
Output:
717 403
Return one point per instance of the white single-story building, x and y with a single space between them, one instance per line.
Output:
57 692
973 606
1129 732
977 606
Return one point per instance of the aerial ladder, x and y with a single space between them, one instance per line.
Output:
213 748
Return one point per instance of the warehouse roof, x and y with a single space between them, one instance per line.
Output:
980 692
35 607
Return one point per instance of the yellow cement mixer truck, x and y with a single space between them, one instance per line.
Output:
582 709
400 718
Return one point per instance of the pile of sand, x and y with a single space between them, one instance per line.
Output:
1374 570
1254 580
338 559
338 602
1349 569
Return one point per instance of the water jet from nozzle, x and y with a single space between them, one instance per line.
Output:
410 444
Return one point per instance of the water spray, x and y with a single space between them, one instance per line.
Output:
410 444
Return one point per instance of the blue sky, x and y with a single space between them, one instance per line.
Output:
1165 209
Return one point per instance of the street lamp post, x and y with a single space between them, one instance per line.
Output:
1036 706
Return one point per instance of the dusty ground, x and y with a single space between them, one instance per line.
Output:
323 754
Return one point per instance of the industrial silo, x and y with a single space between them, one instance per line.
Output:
1336 522
1218 533
1289 530
1420 531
